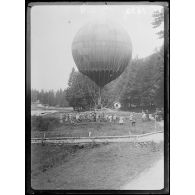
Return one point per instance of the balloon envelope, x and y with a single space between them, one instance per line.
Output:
102 50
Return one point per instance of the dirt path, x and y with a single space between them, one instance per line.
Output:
154 136
151 179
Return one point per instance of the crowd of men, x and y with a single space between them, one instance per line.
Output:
94 116
103 117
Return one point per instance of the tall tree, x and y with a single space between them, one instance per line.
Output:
158 21
81 92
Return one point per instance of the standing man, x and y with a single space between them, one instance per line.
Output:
133 121
114 118
77 117
110 118
121 121
94 116
131 116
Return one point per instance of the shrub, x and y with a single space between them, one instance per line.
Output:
44 124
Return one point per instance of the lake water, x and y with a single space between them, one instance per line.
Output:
41 112
44 111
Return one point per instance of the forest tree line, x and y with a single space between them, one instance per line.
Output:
50 98
140 85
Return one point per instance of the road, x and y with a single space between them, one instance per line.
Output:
151 179
155 136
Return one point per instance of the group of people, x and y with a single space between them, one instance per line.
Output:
97 117
145 115
94 116
157 115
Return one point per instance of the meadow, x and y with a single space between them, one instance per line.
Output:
90 166
49 126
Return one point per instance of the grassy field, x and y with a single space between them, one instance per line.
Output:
98 129
46 156
91 166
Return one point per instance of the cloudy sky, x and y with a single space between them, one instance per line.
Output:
53 28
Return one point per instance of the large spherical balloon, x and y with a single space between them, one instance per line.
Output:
102 50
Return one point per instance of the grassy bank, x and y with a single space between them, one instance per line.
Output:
92 166
98 129
47 156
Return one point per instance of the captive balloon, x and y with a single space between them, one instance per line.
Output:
102 51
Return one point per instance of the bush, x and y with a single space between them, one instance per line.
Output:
43 124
